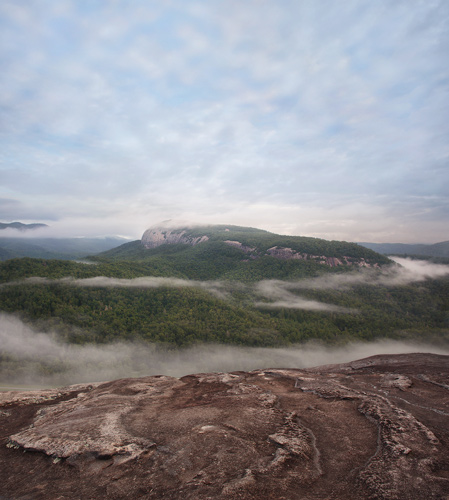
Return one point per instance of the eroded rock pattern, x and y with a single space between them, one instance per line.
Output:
376 428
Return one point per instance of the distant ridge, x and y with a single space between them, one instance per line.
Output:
436 250
20 226
55 248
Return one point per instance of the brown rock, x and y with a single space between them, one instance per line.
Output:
375 428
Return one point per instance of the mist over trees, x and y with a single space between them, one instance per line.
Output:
132 311
124 302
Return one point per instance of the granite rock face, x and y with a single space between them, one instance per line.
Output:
289 254
155 237
375 428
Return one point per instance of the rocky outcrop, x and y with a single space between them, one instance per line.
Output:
284 253
156 237
241 246
376 428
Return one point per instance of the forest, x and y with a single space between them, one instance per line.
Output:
217 299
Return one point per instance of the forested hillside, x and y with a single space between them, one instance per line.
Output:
175 300
254 243
184 315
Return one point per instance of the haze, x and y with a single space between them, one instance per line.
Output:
316 118
33 358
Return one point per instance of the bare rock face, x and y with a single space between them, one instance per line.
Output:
289 254
157 236
284 253
375 428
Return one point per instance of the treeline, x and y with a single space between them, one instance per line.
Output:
212 263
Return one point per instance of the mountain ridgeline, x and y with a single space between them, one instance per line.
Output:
438 250
54 248
20 226
234 252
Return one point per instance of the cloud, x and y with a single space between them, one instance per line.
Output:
419 270
33 358
281 297
218 288
119 114
284 294
405 272
278 294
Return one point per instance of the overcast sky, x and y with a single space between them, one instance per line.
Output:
307 117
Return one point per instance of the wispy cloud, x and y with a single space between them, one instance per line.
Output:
419 270
278 294
406 271
217 288
284 294
314 117
35 358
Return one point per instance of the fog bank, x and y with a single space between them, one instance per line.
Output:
31 358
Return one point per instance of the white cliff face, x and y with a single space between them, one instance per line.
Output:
155 237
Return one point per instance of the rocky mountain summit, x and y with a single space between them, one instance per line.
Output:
374 428
257 243
157 236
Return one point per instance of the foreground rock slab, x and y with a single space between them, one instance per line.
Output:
375 428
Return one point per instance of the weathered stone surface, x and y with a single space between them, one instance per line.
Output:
156 237
375 428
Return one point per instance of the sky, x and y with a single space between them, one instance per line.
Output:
303 117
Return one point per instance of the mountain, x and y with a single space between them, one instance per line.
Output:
227 285
234 252
373 428
55 248
20 226
256 243
436 250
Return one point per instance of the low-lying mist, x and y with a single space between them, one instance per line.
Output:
31 358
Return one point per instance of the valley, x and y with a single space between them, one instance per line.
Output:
194 288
